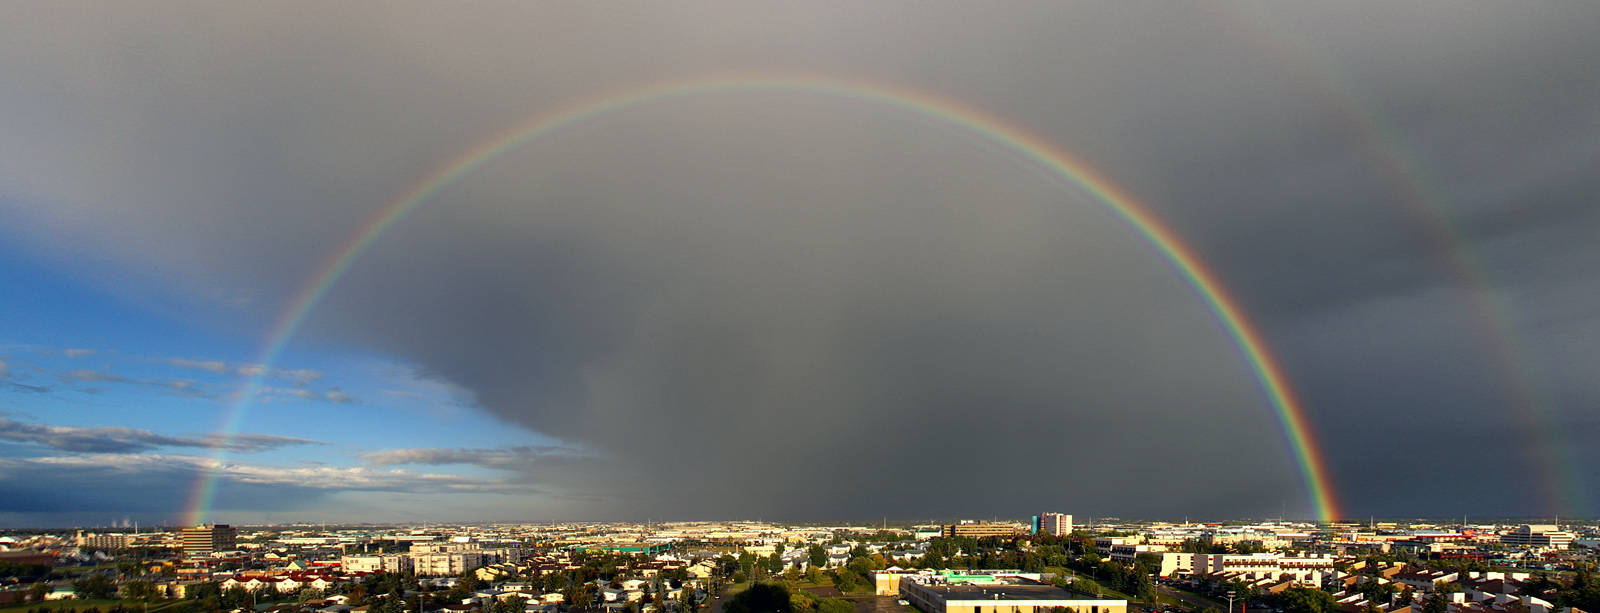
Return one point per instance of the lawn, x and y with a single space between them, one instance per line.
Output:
101 604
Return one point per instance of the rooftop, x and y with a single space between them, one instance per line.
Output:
1007 592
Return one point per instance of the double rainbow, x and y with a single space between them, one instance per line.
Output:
1268 372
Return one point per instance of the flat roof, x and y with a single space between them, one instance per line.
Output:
1007 592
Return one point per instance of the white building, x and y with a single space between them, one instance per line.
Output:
1544 536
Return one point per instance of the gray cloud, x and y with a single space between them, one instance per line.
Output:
790 303
110 439
517 458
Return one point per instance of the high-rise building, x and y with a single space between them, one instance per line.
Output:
1055 523
205 540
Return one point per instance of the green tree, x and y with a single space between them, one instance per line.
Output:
1435 603
358 595
761 598
236 598
1086 586
514 604
1306 600
140 590
774 564
818 556
1145 588
95 586
37 591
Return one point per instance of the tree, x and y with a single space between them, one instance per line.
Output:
514 604
761 598
95 586
1145 588
775 564
1306 600
818 556
1380 593
37 591
845 580
358 595
1435 603
140 590
1086 586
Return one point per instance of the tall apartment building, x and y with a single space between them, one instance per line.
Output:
1055 523
205 540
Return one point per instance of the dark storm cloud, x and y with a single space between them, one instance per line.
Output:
801 306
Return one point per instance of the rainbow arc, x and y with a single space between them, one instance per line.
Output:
1268 372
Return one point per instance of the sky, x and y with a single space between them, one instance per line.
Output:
793 302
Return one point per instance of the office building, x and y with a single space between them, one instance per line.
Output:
206 540
979 531
1545 536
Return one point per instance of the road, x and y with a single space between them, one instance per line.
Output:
1193 601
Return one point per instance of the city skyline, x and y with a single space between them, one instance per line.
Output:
422 264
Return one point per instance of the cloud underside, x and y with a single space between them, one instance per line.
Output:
131 440
795 304
163 484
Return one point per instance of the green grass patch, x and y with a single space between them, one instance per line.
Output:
102 604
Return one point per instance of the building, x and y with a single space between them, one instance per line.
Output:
447 563
978 531
937 597
392 563
1129 554
1103 544
206 540
104 541
1055 523
1213 563
1547 536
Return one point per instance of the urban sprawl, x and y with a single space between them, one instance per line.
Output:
1044 564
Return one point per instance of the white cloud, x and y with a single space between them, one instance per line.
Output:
303 376
310 476
338 395
73 353
215 366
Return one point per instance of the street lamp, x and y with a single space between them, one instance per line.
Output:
1230 601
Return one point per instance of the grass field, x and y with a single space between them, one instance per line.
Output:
102 605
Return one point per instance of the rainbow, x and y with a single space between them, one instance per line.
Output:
1268 372
1562 484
